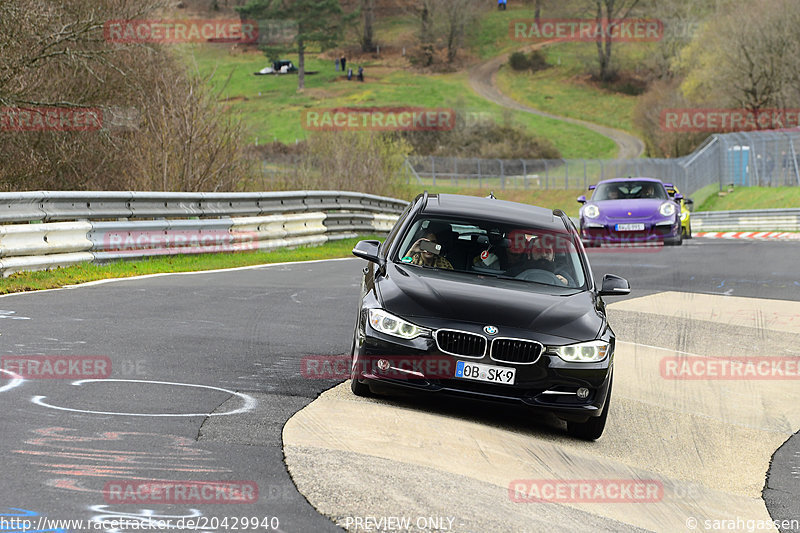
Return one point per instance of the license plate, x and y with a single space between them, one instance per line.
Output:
490 373
630 227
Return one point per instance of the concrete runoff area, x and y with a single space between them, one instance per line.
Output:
706 441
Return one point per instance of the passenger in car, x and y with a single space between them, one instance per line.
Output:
428 259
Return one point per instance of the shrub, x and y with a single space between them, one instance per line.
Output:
519 61
537 61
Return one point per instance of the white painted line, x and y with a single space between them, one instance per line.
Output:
16 380
249 401
145 276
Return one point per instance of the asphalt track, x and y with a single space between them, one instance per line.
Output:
244 331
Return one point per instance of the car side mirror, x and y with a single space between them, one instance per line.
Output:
689 203
614 286
367 250
582 199
678 197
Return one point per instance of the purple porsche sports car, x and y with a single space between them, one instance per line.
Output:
630 210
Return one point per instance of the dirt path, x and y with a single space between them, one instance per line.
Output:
482 77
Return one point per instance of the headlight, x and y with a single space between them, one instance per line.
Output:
667 209
684 215
591 211
392 325
585 352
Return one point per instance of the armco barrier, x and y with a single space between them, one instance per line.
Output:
747 220
48 229
53 206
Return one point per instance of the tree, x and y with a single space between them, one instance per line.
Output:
747 57
459 16
368 18
426 10
157 125
606 12
537 5
318 23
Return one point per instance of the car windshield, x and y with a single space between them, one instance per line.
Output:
519 252
629 190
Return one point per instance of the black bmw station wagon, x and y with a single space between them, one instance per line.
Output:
488 299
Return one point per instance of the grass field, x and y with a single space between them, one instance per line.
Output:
564 89
273 110
30 281
753 198
494 36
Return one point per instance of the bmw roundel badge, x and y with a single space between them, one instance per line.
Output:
490 330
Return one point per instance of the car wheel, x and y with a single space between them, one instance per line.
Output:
356 387
592 428
677 241
688 231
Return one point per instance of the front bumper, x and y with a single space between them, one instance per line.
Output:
606 231
549 384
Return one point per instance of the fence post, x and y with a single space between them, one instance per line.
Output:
546 176
584 175
524 174
794 160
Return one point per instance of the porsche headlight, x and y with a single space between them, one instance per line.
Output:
684 215
391 325
591 211
667 209
584 352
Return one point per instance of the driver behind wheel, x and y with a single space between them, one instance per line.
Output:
538 254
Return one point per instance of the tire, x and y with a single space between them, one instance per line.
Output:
676 242
688 232
359 389
593 428
356 387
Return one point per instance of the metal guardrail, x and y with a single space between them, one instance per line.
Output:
747 220
53 206
66 228
75 227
